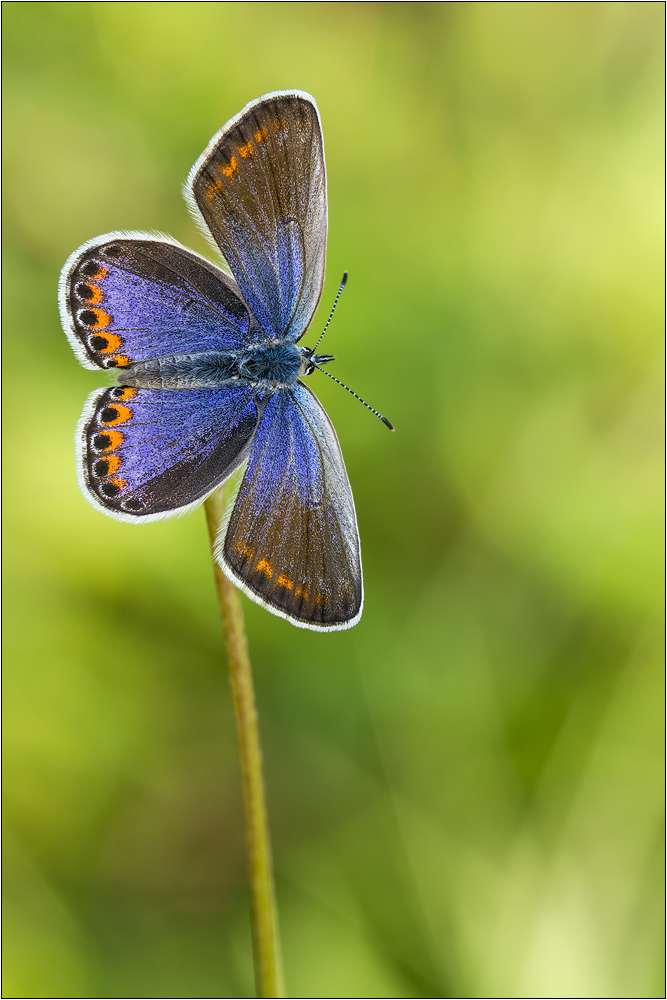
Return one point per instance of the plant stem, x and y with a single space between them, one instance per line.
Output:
263 912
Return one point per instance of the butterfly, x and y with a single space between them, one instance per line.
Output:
209 369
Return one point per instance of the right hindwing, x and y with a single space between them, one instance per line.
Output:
291 541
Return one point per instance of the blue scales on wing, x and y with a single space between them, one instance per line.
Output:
127 298
292 539
144 453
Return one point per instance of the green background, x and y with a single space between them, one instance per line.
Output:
465 789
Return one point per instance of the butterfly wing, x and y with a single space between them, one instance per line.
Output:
291 542
260 187
145 454
128 297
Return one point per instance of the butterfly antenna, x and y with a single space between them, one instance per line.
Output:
367 405
342 286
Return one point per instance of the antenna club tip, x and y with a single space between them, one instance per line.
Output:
344 281
388 424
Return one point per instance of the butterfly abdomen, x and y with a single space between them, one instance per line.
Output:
267 366
201 370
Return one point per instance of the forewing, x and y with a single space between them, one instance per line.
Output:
260 186
144 454
128 297
291 541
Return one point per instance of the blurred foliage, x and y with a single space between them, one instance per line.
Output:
465 789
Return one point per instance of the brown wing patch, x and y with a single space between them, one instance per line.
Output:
262 193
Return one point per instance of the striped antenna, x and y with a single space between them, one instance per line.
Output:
384 420
342 286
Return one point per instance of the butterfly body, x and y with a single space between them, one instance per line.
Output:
208 369
268 368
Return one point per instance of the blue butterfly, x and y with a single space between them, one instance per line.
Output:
209 371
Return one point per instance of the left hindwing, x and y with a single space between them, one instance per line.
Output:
260 187
291 541
145 454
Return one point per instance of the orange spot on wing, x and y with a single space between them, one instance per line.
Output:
102 320
260 135
212 190
114 464
121 361
101 271
285 582
117 438
127 394
228 171
113 343
301 593
246 150
264 567
120 483
123 413
96 296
